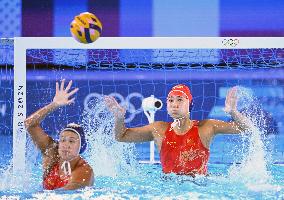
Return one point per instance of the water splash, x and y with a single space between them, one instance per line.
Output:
254 164
107 156
19 182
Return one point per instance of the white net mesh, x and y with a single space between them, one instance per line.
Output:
131 75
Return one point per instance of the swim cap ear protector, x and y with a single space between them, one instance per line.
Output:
76 128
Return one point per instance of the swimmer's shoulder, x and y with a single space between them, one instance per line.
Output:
85 167
84 164
161 126
206 123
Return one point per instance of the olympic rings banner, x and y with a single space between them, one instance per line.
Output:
126 102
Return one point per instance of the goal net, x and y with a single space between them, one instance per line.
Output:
131 69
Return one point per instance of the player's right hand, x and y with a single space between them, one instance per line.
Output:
62 95
114 107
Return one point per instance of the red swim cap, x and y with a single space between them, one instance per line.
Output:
181 90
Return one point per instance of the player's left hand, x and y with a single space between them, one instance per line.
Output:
231 100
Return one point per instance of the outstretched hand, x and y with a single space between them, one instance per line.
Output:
231 100
114 107
62 95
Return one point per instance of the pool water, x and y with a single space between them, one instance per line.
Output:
240 167
145 181
150 183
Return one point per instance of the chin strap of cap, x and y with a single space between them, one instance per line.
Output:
176 122
66 167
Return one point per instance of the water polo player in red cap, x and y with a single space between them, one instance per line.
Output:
62 164
184 143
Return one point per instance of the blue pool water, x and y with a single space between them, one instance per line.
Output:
150 183
146 181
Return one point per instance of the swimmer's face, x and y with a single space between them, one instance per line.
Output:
69 144
177 106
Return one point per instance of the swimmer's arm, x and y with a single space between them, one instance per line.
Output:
32 124
138 134
81 177
239 125
123 134
222 127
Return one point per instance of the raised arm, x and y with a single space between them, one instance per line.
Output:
240 122
123 134
32 123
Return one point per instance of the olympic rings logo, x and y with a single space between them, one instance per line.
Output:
230 42
124 102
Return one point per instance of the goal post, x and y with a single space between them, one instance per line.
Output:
23 44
